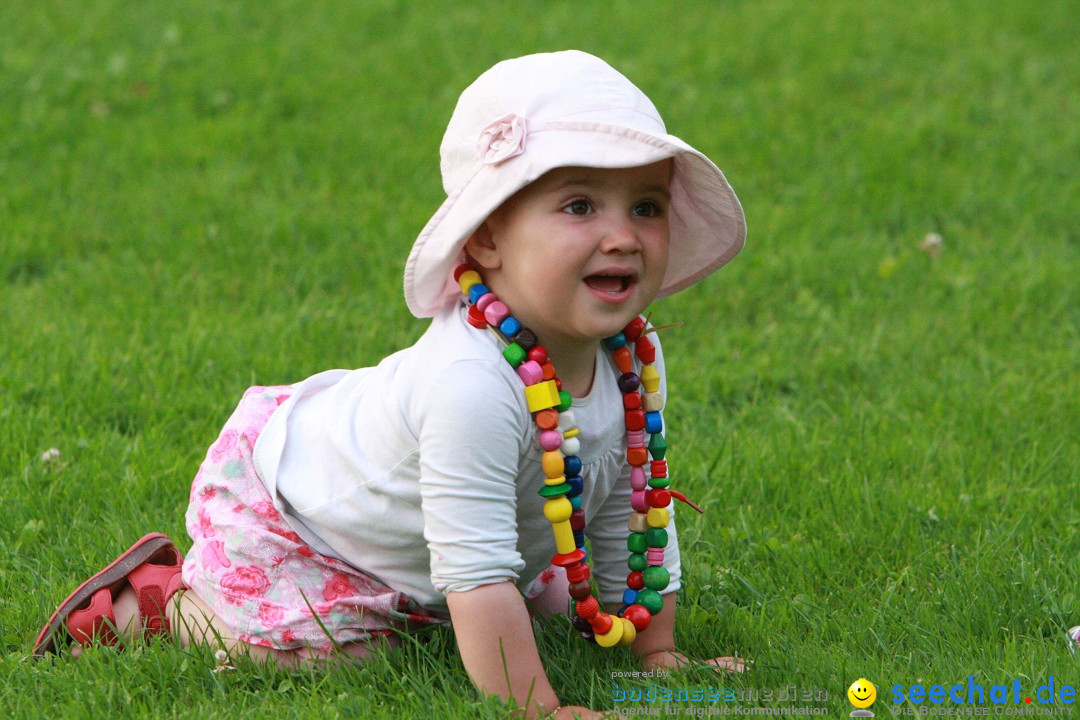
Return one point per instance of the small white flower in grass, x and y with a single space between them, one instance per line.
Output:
932 244
221 658
50 455
1074 638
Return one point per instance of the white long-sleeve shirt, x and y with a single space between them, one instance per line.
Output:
423 471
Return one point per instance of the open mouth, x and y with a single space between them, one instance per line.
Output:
611 284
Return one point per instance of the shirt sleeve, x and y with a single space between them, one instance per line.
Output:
471 439
608 530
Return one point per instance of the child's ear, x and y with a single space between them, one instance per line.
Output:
481 248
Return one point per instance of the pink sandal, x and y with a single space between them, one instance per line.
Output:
151 566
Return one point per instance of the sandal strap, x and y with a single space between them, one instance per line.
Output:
155 582
95 621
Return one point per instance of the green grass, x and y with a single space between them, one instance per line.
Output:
201 196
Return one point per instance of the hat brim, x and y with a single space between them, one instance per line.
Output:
707 224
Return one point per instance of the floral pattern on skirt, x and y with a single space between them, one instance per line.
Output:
257 575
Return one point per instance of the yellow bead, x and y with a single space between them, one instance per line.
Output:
654 402
657 518
553 481
564 537
572 432
638 523
611 638
467 280
650 379
628 634
542 395
558 510
553 464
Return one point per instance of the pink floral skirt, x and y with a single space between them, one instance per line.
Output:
257 575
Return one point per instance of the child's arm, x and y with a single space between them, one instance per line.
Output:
656 646
495 639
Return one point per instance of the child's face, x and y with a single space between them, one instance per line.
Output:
579 252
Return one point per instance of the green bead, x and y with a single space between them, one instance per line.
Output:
656 537
565 401
514 354
657 446
554 491
659 482
656 578
635 543
650 600
637 562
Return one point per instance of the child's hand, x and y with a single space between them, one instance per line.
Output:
669 660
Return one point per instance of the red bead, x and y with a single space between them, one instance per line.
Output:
601 623
623 359
588 608
580 590
476 318
631 401
463 267
577 573
568 559
633 330
549 371
547 419
635 581
645 350
638 615
538 354
577 520
658 468
635 419
637 456
558 383
658 498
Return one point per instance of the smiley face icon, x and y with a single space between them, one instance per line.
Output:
862 693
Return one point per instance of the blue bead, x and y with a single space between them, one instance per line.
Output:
510 326
573 465
653 423
575 502
477 291
579 537
629 596
575 484
615 342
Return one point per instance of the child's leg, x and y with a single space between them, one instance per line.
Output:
193 623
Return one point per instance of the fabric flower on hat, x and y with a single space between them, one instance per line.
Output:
503 139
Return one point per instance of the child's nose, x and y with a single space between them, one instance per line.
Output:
620 236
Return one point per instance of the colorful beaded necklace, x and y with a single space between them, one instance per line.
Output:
557 435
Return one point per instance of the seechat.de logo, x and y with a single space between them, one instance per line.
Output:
974 693
862 695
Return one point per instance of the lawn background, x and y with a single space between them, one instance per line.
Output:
198 196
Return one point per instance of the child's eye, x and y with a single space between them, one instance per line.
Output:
648 208
578 207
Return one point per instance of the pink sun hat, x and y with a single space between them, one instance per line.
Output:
529 115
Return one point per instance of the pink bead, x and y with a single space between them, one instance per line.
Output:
638 480
655 556
496 312
635 438
485 300
637 501
552 440
530 372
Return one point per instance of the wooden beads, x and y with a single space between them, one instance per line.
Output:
559 439
542 395
658 517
